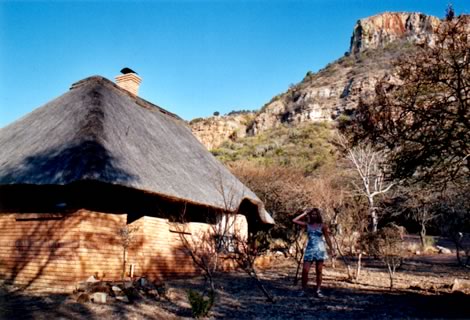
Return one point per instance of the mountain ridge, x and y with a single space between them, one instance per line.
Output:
334 91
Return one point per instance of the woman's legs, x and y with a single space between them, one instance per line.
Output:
305 270
319 273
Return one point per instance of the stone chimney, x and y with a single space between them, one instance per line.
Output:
129 80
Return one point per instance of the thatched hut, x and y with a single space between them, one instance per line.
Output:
83 166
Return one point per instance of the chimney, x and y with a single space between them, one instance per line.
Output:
129 80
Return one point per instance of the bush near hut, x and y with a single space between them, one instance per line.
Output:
200 303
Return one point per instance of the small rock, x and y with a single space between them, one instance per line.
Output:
461 285
99 297
443 250
92 279
278 254
116 290
123 299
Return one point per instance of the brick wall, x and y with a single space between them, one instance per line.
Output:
58 250
159 251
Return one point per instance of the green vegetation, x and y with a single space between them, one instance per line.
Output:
200 305
306 146
237 112
429 241
196 120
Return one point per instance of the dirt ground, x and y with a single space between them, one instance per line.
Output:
422 290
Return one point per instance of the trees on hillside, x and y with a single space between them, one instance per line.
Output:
422 113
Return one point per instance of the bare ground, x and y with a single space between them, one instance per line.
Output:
422 290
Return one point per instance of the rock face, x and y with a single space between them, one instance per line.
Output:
380 30
326 95
213 131
335 90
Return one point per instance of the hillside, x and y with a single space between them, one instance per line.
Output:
334 91
306 146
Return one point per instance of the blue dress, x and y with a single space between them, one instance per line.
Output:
316 249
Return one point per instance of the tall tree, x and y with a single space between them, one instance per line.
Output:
369 165
421 114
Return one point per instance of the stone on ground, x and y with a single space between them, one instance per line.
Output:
99 297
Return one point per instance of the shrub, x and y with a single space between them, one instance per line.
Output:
429 241
387 245
200 304
196 120
237 112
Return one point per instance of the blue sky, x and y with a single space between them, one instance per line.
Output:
195 57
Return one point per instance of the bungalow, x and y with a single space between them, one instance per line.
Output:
79 169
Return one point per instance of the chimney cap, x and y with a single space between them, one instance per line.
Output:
127 70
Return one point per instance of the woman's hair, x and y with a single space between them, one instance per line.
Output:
317 219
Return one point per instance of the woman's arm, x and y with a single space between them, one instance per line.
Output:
326 233
298 219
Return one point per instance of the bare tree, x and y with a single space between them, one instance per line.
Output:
285 192
126 238
246 255
205 243
227 236
370 166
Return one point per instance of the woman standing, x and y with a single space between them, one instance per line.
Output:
317 234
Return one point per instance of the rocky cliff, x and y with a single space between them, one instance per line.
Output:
335 90
380 30
212 131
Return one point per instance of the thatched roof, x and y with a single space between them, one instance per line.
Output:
98 131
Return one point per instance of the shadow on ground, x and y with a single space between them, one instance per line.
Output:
239 298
